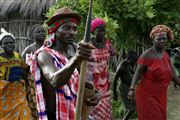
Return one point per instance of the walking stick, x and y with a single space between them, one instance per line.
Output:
83 67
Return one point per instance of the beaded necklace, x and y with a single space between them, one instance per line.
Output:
160 58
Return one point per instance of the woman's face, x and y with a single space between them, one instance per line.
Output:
8 44
160 40
100 33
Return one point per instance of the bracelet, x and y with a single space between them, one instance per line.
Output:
131 89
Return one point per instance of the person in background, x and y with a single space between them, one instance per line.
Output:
14 105
155 72
97 71
174 56
176 62
125 72
37 33
56 76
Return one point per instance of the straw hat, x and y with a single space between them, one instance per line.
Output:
64 12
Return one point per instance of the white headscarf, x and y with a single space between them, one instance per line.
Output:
5 33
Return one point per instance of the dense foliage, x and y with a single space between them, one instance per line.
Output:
128 21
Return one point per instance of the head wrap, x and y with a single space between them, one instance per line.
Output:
53 28
4 33
158 29
62 15
96 22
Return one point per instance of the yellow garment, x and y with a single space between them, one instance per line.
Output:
13 102
6 65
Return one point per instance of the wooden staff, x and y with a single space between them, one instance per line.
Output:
83 67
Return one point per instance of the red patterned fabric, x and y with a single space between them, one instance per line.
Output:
152 91
65 96
98 75
58 23
103 111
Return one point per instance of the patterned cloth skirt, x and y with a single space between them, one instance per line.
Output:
103 110
13 102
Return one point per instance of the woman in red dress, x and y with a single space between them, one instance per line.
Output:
155 72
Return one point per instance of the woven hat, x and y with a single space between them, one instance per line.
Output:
64 12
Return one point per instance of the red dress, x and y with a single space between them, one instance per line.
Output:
151 94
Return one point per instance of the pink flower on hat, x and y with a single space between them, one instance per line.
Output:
95 23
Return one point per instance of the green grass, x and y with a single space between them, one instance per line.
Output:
118 110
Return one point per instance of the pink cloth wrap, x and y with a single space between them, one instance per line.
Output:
95 23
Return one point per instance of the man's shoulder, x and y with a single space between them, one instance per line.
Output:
43 58
49 54
43 55
28 49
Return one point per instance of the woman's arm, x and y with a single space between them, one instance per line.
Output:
139 71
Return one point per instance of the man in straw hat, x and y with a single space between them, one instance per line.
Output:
56 77
13 102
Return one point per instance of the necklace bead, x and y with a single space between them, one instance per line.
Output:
160 58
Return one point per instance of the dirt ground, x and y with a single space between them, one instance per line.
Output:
173 104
